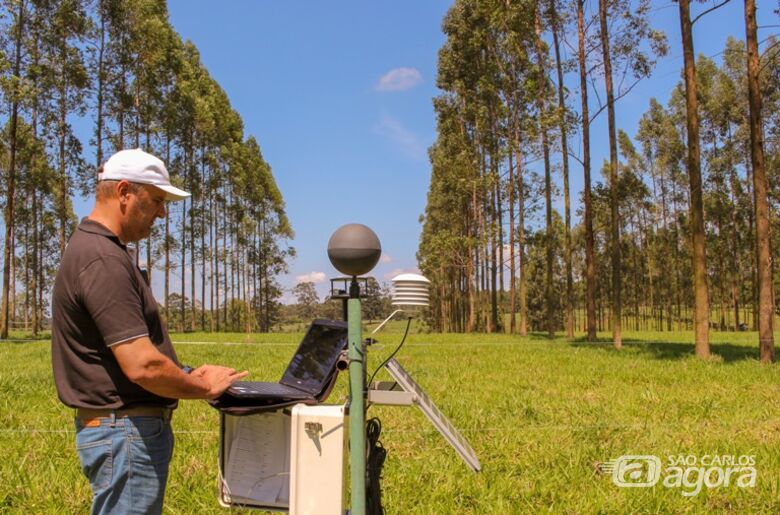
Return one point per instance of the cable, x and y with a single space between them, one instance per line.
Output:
375 459
408 323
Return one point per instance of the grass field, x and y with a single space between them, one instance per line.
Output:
541 415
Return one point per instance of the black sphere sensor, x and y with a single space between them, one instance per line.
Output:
354 249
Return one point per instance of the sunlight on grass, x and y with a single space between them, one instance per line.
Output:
541 415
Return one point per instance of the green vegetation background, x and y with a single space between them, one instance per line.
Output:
541 415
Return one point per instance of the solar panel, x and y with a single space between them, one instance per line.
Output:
437 418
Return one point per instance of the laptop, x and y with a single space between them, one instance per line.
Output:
311 367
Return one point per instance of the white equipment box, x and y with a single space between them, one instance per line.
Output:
285 460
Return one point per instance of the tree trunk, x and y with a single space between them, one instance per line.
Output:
512 289
617 339
542 109
203 257
700 291
99 93
496 242
11 177
500 213
763 247
167 245
253 308
565 161
215 278
183 268
193 212
12 307
36 284
472 269
149 238
211 263
590 267
266 289
63 192
226 249
735 249
523 293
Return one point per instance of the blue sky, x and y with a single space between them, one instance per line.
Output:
339 96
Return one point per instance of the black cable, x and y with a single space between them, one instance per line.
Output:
408 323
375 459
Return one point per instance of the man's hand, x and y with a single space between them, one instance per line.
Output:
146 366
218 378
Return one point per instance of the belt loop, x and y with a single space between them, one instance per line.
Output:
113 418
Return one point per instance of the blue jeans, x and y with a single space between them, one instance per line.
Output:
126 463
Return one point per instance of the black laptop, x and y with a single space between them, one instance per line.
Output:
311 367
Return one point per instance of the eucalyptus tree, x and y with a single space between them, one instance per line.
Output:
238 194
116 93
151 43
636 206
482 117
488 116
555 27
587 220
13 94
168 124
617 338
107 48
724 215
539 242
693 166
33 185
519 72
542 94
661 135
770 92
149 90
272 230
446 242
760 191
622 46
734 67
515 43
186 92
459 73
41 179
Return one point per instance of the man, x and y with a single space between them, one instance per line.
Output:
111 355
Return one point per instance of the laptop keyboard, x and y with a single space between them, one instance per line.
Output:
244 388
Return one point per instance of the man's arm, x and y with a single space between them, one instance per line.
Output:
146 366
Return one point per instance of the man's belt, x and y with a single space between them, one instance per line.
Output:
91 417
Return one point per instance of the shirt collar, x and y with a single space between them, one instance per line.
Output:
93 227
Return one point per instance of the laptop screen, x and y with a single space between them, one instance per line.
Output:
316 356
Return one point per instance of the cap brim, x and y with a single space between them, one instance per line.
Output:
172 192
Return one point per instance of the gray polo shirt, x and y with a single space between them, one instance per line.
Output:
101 299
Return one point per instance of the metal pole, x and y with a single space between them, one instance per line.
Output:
357 414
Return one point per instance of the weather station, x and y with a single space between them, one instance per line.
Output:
283 452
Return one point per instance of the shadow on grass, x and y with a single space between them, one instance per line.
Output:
730 353
23 341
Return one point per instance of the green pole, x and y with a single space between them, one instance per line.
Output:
357 413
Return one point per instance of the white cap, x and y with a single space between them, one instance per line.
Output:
137 166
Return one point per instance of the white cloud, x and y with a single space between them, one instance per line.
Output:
386 258
312 277
399 79
398 271
392 129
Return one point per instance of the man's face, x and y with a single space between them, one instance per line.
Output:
144 206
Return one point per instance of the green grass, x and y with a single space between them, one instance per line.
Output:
541 415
